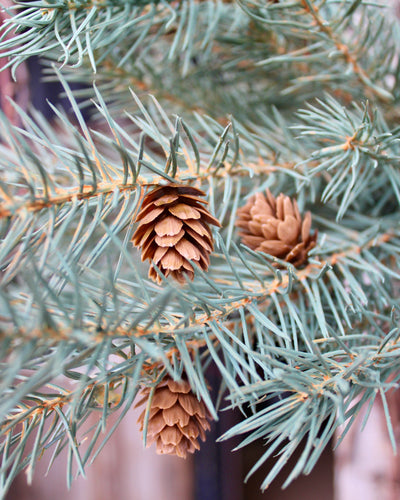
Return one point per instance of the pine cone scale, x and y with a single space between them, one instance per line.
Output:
179 387
149 214
270 230
165 449
183 211
207 217
171 435
159 254
156 425
255 227
169 241
188 250
170 226
205 243
164 398
142 236
288 230
191 405
306 227
149 250
166 199
172 260
252 241
189 199
199 228
191 430
176 415
275 247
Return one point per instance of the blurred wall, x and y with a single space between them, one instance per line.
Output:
124 470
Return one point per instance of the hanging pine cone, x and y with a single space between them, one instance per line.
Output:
275 226
174 230
176 419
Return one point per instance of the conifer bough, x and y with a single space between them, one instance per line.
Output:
81 332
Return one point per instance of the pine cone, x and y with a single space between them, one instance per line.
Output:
174 230
275 226
177 418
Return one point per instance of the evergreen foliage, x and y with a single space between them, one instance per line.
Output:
298 96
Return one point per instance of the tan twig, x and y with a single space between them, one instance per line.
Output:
10 209
261 295
350 58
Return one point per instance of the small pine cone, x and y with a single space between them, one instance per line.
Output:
176 420
275 226
174 230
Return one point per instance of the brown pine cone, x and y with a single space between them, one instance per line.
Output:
176 420
174 230
275 226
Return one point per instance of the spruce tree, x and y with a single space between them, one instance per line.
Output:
224 192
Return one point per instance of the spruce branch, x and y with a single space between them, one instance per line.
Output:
231 264
254 293
351 56
70 31
162 31
354 146
76 305
320 392
66 26
54 421
328 31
